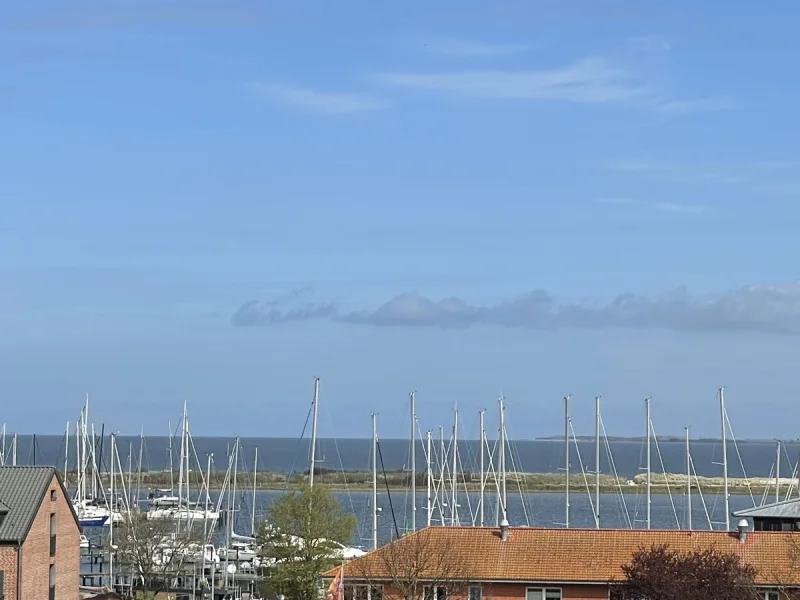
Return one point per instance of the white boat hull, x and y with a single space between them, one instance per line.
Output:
182 514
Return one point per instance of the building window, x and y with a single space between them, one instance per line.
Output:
771 596
52 495
52 582
363 592
52 534
435 592
543 594
475 593
2 585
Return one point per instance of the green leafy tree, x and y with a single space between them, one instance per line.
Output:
302 538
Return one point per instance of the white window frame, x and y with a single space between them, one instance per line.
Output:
434 591
369 586
543 591
475 587
771 595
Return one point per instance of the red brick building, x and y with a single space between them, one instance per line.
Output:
550 564
39 536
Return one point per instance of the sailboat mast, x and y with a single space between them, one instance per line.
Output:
139 473
235 477
79 461
14 450
483 468
566 461
313 452
440 486
412 402
502 514
597 461
429 477
688 482
255 484
778 472
454 473
111 507
93 451
186 455
130 472
171 459
374 484
724 458
180 460
209 456
649 482
66 452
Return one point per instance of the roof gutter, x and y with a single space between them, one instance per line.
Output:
19 569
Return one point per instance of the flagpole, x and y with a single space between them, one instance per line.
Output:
341 581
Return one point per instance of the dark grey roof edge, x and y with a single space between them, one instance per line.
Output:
65 492
41 497
53 472
747 512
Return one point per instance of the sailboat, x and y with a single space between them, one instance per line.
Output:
178 507
92 511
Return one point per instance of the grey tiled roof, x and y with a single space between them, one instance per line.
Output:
787 509
21 491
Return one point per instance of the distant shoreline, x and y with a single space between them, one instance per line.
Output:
660 438
342 481
27 437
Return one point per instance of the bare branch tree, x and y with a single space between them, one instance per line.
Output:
413 563
155 550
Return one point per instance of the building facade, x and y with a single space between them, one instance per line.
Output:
39 536
525 563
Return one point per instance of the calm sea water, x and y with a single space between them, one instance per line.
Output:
538 456
544 509
538 509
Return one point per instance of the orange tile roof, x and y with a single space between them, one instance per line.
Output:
581 555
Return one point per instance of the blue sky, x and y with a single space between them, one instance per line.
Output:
217 201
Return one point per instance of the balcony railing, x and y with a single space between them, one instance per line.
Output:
52 545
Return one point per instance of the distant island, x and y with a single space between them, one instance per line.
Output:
641 438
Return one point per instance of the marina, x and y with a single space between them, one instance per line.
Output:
192 528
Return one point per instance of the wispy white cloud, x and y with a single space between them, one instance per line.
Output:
471 49
330 103
674 207
592 80
682 173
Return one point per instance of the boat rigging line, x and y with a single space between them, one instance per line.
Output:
388 492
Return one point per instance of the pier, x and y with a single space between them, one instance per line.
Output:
219 580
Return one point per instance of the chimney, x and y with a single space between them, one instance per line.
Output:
503 530
742 527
